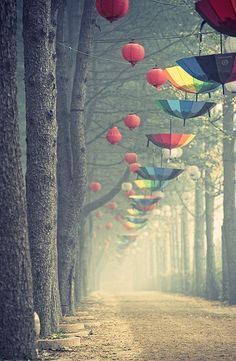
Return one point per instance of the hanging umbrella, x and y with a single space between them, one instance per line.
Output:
170 140
135 212
143 208
220 15
127 238
146 201
133 225
156 173
185 109
136 220
182 80
152 185
220 68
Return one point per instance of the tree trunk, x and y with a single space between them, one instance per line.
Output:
212 286
41 129
16 294
185 250
199 256
70 215
229 228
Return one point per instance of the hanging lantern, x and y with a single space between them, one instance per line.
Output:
112 205
109 226
231 87
114 136
132 121
130 193
134 167
126 187
112 9
99 214
156 77
230 44
175 153
133 52
194 172
95 186
131 158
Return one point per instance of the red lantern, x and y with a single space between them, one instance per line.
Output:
95 186
112 9
114 136
112 205
133 52
109 226
131 158
132 121
130 193
134 167
99 214
156 77
127 227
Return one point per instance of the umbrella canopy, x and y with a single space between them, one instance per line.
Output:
143 208
185 109
182 80
220 15
135 212
127 238
136 220
220 68
170 140
146 201
156 173
133 225
152 185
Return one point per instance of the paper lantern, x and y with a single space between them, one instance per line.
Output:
112 205
95 186
134 167
112 9
114 136
109 226
131 158
126 187
132 121
156 77
99 214
130 193
133 52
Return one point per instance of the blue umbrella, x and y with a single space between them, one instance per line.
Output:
156 173
185 109
220 68
146 201
136 220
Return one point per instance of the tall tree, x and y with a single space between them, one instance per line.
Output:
16 294
41 186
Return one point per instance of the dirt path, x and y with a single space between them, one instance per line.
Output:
152 326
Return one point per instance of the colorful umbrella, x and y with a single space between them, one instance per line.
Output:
185 109
143 208
156 173
220 15
181 80
220 68
133 225
152 185
170 140
136 220
127 238
135 212
146 201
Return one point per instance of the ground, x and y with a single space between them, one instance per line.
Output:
150 326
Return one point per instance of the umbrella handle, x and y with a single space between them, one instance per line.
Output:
148 143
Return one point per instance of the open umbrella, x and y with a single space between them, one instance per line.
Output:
182 80
220 68
133 225
185 109
220 15
161 174
136 220
135 212
170 140
143 208
146 201
152 185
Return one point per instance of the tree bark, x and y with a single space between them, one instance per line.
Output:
70 215
185 250
199 254
16 294
229 221
40 86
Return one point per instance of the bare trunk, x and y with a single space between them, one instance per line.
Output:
16 293
185 250
40 87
